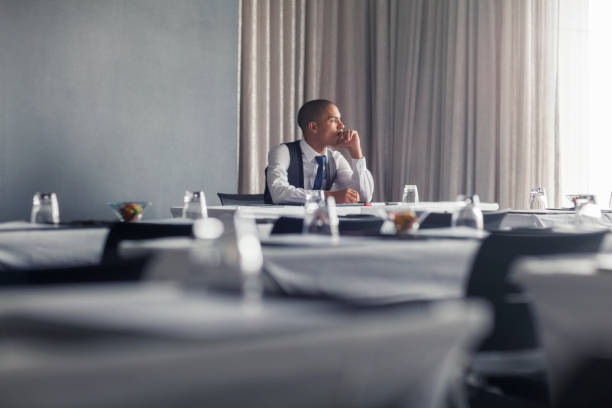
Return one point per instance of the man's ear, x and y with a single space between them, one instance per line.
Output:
312 126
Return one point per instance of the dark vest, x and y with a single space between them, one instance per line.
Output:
295 172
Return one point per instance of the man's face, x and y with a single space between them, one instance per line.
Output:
328 126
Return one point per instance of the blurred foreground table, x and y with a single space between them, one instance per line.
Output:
159 345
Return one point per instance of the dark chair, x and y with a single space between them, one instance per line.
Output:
362 225
491 220
436 220
241 199
514 329
125 271
128 231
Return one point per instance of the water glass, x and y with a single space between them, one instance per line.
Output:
410 194
537 199
468 214
45 209
587 210
250 261
194 205
320 215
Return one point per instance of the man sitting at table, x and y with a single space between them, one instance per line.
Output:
296 168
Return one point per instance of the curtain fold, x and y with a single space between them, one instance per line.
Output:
455 96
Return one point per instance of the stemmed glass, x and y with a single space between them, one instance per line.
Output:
45 209
194 206
468 214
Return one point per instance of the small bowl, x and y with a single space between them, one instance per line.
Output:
406 221
129 211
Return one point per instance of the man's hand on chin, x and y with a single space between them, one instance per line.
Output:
349 139
344 196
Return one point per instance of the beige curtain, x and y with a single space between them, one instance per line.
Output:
455 96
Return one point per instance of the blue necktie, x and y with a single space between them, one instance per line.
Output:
320 172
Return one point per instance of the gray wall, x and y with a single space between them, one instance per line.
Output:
104 100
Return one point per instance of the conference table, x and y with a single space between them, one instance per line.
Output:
29 246
315 284
429 264
165 344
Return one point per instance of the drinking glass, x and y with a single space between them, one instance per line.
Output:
320 216
537 199
468 214
45 209
587 210
250 261
410 194
228 256
194 205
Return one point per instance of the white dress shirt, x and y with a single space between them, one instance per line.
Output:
354 175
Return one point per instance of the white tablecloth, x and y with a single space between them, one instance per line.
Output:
28 246
546 219
374 271
275 211
157 346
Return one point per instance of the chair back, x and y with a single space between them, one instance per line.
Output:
491 219
241 199
131 270
362 225
136 231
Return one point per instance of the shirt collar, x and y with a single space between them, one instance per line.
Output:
308 152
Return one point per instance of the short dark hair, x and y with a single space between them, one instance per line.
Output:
311 111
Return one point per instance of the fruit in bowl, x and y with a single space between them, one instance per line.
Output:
405 221
129 211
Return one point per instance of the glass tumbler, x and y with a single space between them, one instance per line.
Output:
587 210
45 209
468 214
410 194
537 199
320 216
194 206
